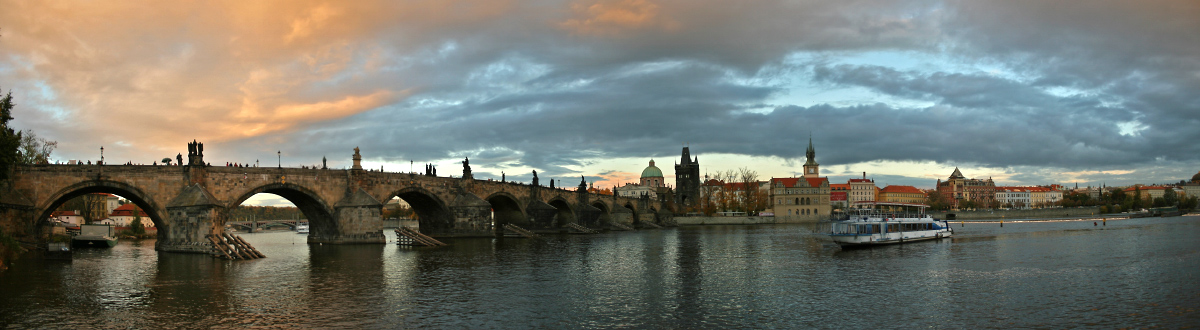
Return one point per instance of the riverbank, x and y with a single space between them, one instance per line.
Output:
1074 212
702 221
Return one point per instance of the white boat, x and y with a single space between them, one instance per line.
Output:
878 223
302 228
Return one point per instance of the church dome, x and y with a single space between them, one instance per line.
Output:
1195 178
652 171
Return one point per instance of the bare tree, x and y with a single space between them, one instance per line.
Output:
34 150
750 196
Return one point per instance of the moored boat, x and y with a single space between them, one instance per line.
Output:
880 223
302 228
104 236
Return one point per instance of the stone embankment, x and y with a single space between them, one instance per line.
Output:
1058 213
695 221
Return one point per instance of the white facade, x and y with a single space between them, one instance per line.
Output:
635 191
1014 197
862 190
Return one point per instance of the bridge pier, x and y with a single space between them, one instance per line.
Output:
193 215
472 218
357 219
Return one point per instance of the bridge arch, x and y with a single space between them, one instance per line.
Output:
432 212
636 220
565 214
506 210
129 192
320 216
605 212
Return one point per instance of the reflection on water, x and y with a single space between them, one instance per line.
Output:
1141 272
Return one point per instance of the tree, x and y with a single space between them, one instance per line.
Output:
34 150
1137 197
1189 203
1170 198
136 226
10 140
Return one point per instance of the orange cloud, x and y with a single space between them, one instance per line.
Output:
616 178
614 17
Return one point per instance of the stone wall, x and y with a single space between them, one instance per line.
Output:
1021 214
695 221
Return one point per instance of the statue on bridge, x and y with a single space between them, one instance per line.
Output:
324 165
535 179
179 159
467 168
551 183
502 178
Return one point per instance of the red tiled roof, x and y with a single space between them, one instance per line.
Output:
900 189
1147 188
792 182
127 211
839 186
63 214
861 180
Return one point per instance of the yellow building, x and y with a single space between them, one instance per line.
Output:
902 194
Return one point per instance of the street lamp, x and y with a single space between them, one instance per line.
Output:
279 157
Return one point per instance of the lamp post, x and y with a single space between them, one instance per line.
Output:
102 155
279 157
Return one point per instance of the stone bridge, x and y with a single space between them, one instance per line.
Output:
189 202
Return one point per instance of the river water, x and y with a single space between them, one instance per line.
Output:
1130 273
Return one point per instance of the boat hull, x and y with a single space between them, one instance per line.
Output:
846 242
100 242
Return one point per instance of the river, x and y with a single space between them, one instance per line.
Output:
1129 273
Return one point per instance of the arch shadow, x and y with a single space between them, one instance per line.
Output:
433 215
505 210
565 214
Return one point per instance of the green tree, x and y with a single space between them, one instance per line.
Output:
1189 203
10 140
1170 197
1137 197
136 226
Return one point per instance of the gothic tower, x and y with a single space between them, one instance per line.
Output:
687 180
811 168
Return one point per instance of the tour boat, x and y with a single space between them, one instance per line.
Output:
878 223
302 228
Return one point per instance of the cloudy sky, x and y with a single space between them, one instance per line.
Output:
1025 92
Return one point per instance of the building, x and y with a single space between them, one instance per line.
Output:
687 180
959 190
652 177
1192 188
649 184
839 194
862 190
901 194
1149 193
124 215
802 199
634 190
1043 197
1013 197
67 217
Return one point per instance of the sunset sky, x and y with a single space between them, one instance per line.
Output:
1024 92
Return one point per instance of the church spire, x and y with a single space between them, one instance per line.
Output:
811 168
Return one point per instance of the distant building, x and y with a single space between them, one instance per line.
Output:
652 177
67 217
839 195
1192 188
1013 197
1148 192
634 190
958 190
124 215
806 198
687 180
902 194
651 184
862 190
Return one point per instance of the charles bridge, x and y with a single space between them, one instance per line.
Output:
188 202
